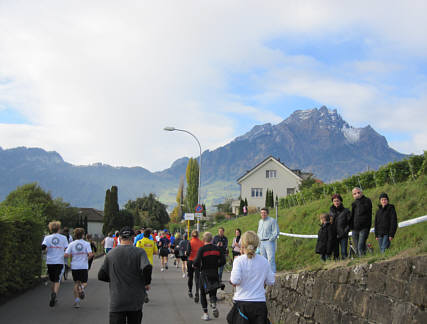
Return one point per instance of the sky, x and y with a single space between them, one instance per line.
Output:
97 81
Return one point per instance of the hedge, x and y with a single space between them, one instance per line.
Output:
20 250
391 173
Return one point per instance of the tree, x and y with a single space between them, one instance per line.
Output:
67 215
33 196
242 203
107 214
246 202
115 221
150 211
307 183
192 175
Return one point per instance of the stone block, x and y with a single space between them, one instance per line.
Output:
419 265
360 303
420 317
357 275
309 283
300 303
399 269
402 313
324 314
380 309
310 305
342 297
318 287
417 290
396 288
376 280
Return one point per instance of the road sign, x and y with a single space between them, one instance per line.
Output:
198 215
189 216
199 208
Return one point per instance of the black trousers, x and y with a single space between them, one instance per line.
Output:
248 313
204 301
134 317
193 273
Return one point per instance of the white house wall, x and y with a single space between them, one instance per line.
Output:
94 228
285 179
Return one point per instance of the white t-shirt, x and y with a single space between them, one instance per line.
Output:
109 242
78 250
250 275
55 245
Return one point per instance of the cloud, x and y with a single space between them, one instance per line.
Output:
98 81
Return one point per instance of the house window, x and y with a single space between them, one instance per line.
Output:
256 192
270 174
290 191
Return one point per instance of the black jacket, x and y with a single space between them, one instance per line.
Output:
386 221
326 239
341 220
361 213
209 258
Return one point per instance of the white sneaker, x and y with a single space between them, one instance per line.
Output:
76 304
183 275
162 269
205 317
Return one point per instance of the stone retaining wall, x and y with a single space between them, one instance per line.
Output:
387 292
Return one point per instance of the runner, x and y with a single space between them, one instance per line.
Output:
79 251
184 249
66 232
164 245
195 245
108 242
209 258
55 245
178 239
150 248
94 249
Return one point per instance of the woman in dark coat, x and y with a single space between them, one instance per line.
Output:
340 219
325 238
385 223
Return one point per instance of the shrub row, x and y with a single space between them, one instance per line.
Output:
391 173
20 250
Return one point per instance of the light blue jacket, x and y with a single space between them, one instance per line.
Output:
268 229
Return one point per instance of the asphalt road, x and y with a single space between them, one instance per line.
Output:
169 302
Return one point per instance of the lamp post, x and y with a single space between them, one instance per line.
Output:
172 129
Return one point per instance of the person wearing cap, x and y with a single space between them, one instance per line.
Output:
340 218
268 232
128 271
385 222
361 219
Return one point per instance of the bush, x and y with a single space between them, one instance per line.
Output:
20 250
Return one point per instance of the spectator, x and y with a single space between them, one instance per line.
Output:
209 258
385 223
128 271
268 232
361 219
222 242
250 274
236 245
325 238
340 219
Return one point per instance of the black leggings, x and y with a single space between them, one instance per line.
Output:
131 317
203 300
192 271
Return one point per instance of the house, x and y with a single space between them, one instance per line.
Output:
95 220
269 174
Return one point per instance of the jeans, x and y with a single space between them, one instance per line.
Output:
343 247
192 271
134 317
324 257
384 242
268 250
220 271
359 239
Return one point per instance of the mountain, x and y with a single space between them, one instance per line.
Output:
316 140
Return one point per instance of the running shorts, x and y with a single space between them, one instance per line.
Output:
54 271
176 252
80 275
164 252
235 254
184 258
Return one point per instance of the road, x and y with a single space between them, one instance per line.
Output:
169 302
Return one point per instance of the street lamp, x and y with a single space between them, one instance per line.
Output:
171 129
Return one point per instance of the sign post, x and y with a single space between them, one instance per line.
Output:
188 217
198 210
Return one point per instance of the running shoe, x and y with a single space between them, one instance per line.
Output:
82 292
183 275
215 311
190 294
196 298
52 301
174 262
166 266
162 269
205 317
76 304
146 299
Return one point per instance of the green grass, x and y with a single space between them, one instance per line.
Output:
409 199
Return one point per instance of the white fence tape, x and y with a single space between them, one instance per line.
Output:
401 224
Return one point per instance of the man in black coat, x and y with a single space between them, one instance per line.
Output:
361 216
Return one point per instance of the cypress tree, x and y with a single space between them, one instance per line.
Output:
246 202
107 214
192 175
266 198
